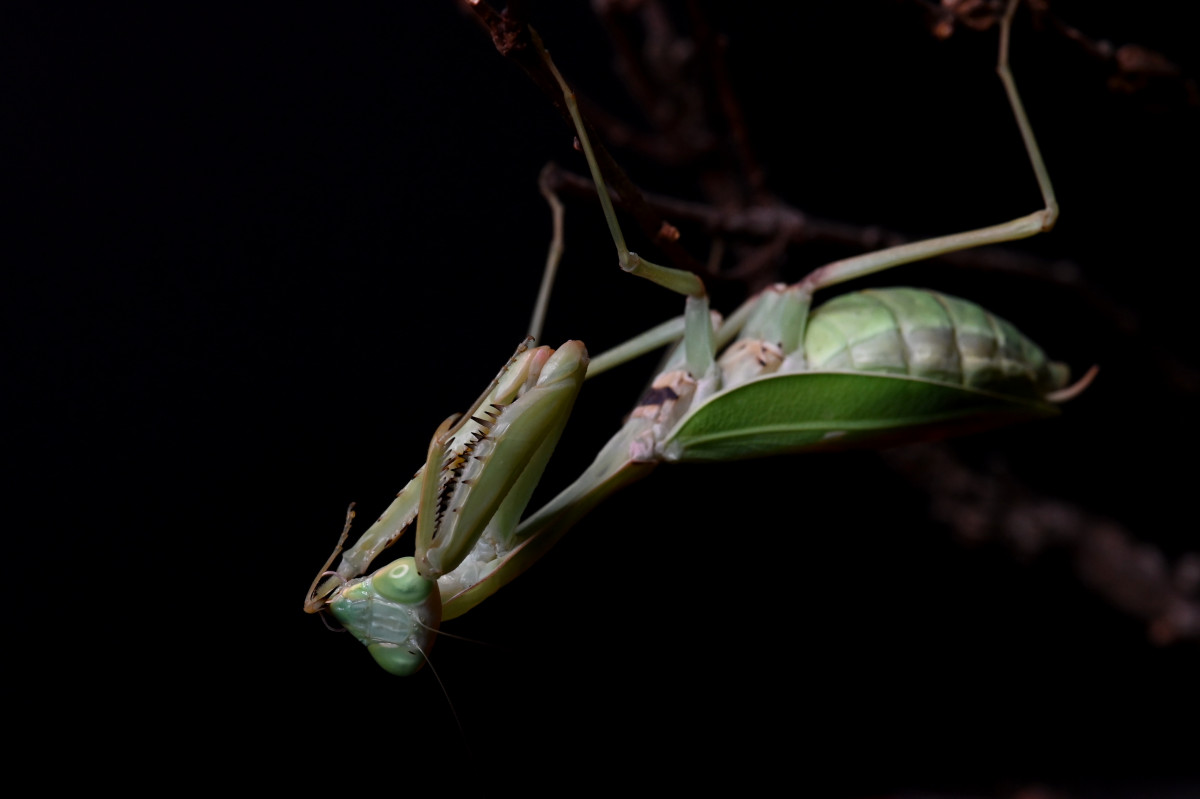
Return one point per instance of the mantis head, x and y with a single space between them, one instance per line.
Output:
395 612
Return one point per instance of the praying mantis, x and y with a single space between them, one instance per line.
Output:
775 377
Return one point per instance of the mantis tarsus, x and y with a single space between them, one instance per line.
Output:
867 368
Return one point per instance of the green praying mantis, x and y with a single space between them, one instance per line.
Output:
869 368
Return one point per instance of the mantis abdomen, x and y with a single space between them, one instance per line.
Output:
877 367
929 335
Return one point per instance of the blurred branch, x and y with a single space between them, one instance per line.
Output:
1135 69
1132 575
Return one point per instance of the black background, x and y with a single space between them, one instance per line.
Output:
258 255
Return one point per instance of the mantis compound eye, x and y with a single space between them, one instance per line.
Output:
400 582
397 660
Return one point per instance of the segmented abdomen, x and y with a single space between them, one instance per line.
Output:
929 335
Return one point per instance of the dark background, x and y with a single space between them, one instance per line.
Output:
256 256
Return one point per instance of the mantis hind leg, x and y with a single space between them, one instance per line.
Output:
1022 227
